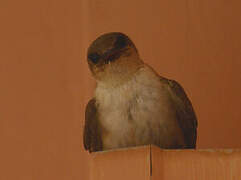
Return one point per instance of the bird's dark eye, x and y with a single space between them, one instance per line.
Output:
94 57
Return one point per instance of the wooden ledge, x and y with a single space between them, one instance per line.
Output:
151 162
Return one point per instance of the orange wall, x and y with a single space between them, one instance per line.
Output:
45 82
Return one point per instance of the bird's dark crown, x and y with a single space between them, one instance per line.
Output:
109 47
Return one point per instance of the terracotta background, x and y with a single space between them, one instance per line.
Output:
45 81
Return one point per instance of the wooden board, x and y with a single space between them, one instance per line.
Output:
153 163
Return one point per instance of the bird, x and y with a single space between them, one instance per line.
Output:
133 105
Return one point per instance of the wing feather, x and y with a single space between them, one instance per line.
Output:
185 114
92 130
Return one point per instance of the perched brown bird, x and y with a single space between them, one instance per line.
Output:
132 104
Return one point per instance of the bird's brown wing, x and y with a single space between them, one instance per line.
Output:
92 130
184 111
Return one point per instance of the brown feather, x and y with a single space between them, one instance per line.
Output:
184 112
92 131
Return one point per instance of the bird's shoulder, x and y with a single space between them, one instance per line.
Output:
91 108
176 90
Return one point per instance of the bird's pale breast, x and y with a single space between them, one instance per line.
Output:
137 112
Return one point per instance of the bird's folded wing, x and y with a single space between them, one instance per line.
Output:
92 134
185 114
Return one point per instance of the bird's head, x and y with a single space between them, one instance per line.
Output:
113 57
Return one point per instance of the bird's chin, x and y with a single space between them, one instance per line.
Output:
117 72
